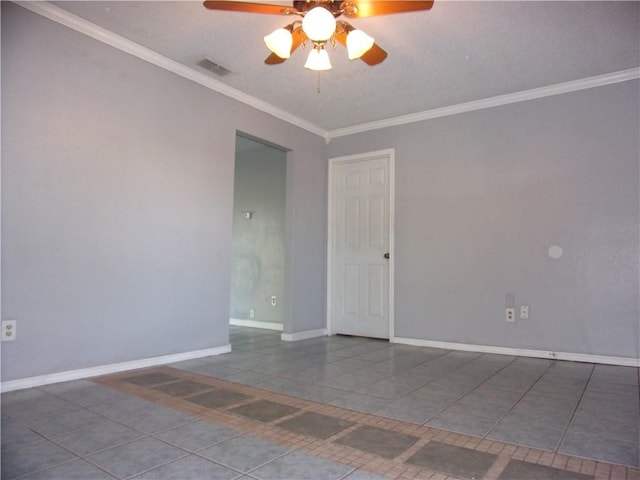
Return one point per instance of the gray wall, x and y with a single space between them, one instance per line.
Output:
481 196
258 262
117 198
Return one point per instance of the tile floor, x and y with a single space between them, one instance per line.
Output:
567 407
310 409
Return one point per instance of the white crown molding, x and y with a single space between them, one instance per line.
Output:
106 36
114 40
521 352
255 324
294 337
109 369
523 96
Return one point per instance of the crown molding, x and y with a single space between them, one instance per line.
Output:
523 96
107 37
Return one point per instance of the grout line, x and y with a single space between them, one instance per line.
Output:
519 398
566 429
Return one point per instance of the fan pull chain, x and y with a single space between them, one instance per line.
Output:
318 85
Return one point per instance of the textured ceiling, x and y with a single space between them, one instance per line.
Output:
454 53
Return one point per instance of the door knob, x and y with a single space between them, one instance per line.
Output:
386 255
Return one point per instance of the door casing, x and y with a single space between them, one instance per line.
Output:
333 163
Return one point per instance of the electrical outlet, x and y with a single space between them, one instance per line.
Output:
274 300
510 314
252 313
8 330
524 312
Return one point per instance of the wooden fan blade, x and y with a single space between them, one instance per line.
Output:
298 38
248 7
370 8
274 59
374 55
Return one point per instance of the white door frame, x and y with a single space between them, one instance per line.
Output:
333 162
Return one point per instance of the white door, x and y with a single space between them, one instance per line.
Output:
360 245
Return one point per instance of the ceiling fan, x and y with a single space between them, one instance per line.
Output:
320 24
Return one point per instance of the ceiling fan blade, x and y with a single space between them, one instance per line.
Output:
374 55
370 8
274 59
298 37
248 7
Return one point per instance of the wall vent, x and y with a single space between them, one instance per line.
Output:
213 67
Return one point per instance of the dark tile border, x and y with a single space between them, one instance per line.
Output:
397 467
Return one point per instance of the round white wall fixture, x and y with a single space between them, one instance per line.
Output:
555 252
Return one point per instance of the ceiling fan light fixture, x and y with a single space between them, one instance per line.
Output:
318 60
280 42
319 24
358 43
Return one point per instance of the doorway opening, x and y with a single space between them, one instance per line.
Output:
259 246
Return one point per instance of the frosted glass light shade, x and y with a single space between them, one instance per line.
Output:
358 43
319 24
279 42
318 60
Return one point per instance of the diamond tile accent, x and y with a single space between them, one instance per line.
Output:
182 388
265 410
218 398
453 460
315 425
518 470
381 442
149 379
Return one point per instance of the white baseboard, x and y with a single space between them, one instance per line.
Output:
572 357
255 324
294 337
108 369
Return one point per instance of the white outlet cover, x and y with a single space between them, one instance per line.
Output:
510 315
8 330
